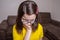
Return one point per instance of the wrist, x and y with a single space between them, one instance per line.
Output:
27 36
29 30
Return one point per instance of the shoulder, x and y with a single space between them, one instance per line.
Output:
40 26
14 25
40 30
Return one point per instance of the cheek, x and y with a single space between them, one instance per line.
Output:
24 23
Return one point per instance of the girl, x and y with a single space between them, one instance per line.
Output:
27 26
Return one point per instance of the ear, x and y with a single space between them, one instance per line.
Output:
37 10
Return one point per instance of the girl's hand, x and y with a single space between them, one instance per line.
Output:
28 27
28 33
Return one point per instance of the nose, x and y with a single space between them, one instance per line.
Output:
29 23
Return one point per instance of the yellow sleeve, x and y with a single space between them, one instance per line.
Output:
16 36
40 30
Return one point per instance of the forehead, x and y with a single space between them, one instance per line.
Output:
29 16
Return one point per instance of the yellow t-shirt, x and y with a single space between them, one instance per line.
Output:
34 35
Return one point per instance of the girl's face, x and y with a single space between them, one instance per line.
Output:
28 19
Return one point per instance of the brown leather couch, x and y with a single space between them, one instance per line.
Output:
51 27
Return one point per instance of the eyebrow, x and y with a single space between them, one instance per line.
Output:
25 19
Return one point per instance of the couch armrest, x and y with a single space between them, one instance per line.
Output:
50 36
3 25
56 23
2 35
3 28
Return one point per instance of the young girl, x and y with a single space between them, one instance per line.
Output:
27 26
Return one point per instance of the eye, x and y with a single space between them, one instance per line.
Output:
24 20
33 20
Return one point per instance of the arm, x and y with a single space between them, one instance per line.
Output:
41 38
27 36
28 33
42 33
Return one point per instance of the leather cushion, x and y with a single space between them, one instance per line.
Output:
44 17
11 20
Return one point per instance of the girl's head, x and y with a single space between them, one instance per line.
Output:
27 14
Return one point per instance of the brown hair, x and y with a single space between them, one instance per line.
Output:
28 7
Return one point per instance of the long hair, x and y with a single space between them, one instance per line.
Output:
28 7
